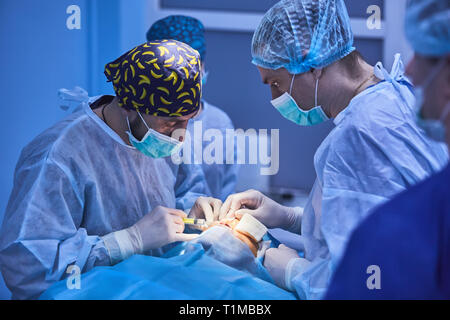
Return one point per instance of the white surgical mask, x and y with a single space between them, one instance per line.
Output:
434 128
289 109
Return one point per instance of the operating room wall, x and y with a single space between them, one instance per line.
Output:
356 8
38 55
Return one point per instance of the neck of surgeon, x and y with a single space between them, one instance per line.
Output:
115 117
344 80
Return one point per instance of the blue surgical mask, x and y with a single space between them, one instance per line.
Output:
289 109
154 144
434 128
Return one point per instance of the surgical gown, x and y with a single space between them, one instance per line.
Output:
221 178
374 152
409 240
190 178
73 184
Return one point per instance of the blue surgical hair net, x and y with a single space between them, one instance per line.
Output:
427 26
302 34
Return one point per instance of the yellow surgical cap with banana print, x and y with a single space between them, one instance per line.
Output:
161 78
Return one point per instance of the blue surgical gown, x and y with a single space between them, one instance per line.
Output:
74 183
220 177
374 152
409 240
216 265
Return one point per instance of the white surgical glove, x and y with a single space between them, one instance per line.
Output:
267 211
279 262
156 229
206 208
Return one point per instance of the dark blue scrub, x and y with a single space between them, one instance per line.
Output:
409 239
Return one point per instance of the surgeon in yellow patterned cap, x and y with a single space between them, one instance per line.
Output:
95 188
158 89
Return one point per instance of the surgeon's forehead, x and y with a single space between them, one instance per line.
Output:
269 75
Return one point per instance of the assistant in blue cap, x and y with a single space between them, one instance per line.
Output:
427 26
182 28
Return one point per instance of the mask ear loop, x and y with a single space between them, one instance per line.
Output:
128 122
292 83
315 95
143 120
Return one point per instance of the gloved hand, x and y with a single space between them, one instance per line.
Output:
206 208
267 211
159 227
276 261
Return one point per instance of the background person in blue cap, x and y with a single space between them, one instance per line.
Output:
220 178
408 239
304 52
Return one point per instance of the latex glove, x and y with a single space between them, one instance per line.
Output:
206 208
267 211
162 226
159 227
276 261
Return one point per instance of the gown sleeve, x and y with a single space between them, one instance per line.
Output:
190 184
41 234
353 178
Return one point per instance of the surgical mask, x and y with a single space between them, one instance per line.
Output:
154 144
289 109
434 128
